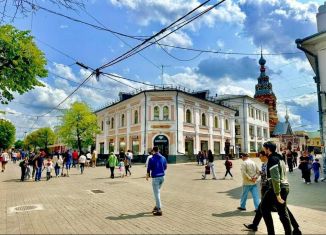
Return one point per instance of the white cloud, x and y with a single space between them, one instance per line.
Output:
150 11
294 119
177 38
305 100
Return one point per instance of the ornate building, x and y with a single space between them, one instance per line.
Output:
264 93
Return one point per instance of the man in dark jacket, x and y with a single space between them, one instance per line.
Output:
277 192
156 169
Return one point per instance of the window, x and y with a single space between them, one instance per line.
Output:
112 123
102 125
203 119
252 131
259 133
265 133
122 120
111 147
102 148
135 146
217 147
136 117
216 122
188 116
165 113
156 113
226 124
252 146
237 130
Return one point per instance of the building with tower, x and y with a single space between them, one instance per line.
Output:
264 93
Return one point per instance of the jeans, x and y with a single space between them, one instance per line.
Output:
38 173
316 176
82 167
268 202
157 184
57 169
254 192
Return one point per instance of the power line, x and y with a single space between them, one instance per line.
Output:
81 21
117 36
143 45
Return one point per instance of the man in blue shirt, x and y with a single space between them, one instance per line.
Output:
156 169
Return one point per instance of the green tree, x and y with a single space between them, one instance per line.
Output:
19 144
41 138
45 137
79 126
7 134
21 63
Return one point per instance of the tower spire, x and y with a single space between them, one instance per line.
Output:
287 115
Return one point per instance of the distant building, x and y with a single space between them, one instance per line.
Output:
314 142
251 122
264 93
181 123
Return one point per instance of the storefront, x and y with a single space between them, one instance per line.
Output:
162 142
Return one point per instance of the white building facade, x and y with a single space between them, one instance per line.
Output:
251 122
179 122
314 47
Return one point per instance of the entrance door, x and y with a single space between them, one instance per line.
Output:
162 142
189 147
204 145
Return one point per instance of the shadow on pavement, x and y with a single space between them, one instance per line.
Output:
235 193
234 213
126 216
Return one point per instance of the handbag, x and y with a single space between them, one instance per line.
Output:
107 165
207 170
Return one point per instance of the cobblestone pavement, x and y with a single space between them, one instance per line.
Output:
190 205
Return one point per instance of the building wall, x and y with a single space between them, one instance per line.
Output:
251 141
174 126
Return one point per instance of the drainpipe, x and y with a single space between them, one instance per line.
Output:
317 81
244 128
145 132
177 112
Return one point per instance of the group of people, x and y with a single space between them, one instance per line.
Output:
123 162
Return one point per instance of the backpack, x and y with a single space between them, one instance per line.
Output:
228 164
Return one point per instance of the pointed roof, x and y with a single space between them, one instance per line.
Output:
264 87
283 128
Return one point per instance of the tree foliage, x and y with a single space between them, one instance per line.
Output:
41 138
19 144
21 63
7 134
79 126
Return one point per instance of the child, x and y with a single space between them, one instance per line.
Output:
316 167
228 166
121 168
48 166
206 172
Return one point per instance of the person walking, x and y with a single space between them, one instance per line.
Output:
4 160
304 167
264 186
277 192
198 157
317 169
39 164
150 155
82 161
156 168
210 163
49 167
112 162
23 166
94 158
228 166
68 160
289 160
127 165
250 173
74 158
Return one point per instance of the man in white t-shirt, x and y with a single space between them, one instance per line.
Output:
4 160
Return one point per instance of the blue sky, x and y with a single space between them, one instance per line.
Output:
235 26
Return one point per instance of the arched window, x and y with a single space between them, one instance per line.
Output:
216 122
112 123
226 124
203 119
122 120
188 116
136 117
156 113
165 113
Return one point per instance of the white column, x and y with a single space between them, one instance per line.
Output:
232 126
222 118
196 116
210 130
116 126
129 116
106 133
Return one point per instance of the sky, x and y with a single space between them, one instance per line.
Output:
235 26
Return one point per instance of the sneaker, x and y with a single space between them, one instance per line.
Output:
241 209
158 212
251 227
214 178
203 177
154 209
296 231
308 183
